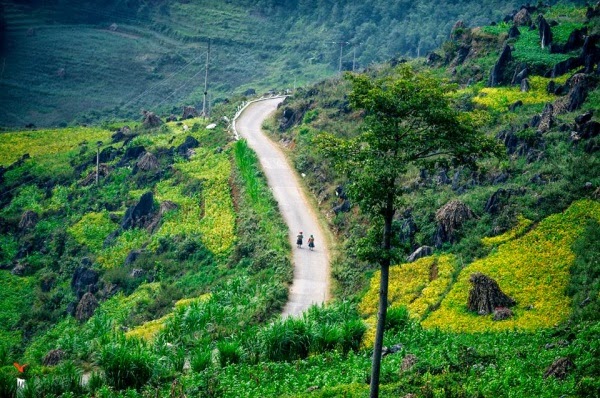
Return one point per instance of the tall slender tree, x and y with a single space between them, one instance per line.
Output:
408 121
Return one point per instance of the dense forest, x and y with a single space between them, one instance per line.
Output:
55 53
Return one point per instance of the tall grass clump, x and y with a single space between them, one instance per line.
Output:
286 340
126 363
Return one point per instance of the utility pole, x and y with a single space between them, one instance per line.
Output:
206 81
342 44
98 145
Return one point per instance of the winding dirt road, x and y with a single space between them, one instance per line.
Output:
311 268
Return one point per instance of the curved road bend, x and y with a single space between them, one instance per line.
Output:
311 268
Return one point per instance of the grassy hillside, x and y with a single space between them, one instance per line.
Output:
74 62
177 293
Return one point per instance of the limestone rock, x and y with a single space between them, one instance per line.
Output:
86 307
498 71
53 357
513 32
559 368
408 362
148 162
150 120
139 214
502 313
545 32
522 18
421 252
29 219
189 143
189 112
450 217
84 280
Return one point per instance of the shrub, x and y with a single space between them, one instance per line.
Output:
396 318
126 363
286 340
229 352
201 359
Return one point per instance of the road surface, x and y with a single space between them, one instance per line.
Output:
311 268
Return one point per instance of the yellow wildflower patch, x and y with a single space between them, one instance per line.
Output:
43 143
217 224
533 270
522 226
501 97
92 230
418 286
149 330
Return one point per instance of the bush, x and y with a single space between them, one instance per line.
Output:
229 352
397 318
286 340
201 359
126 363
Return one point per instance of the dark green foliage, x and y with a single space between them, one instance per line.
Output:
229 352
584 285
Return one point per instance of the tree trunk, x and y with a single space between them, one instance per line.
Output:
383 296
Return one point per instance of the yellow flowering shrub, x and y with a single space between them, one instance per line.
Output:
522 226
129 240
92 230
216 221
418 286
500 98
532 269
149 330
45 143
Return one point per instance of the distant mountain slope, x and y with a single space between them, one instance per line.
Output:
65 61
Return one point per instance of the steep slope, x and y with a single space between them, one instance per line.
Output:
79 62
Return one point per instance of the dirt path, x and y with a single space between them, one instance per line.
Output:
311 268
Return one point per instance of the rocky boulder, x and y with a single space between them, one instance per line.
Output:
560 368
497 201
547 119
545 32
189 112
164 208
513 32
148 162
86 307
408 362
53 357
139 214
450 218
84 280
189 144
522 18
497 74
421 252
485 295
150 120
502 313
29 220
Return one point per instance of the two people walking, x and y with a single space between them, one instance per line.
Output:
300 239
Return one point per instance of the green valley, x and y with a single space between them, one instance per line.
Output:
143 255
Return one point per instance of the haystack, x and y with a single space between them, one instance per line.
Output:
485 295
453 215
